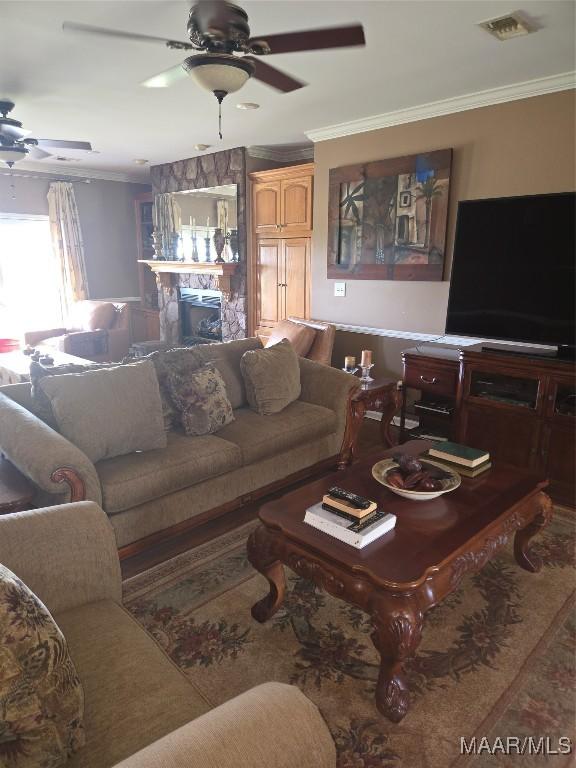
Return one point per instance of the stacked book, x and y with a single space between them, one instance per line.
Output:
349 518
469 462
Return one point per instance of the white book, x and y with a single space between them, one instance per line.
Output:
357 533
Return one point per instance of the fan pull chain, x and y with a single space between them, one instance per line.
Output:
220 96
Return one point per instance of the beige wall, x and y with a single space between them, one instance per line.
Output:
522 147
107 218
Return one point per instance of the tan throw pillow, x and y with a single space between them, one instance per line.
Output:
109 412
40 403
41 697
300 336
202 400
272 377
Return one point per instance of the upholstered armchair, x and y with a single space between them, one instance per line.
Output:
96 330
313 339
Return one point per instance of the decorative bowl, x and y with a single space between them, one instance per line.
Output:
450 483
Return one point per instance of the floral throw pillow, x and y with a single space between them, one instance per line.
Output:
41 697
201 399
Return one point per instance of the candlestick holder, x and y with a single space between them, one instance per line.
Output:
366 378
350 370
207 248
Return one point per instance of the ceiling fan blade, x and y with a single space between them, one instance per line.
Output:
13 132
314 39
88 29
35 153
61 144
167 78
274 77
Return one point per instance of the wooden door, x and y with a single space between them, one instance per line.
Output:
509 438
296 277
266 207
296 204
268 280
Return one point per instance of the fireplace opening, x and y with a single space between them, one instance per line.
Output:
200 312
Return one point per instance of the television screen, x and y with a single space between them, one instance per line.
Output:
513 272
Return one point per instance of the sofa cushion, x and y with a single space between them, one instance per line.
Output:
300 336
92 316
140 477
41 697
201 400
272 377
109 412
226 357
261 437
134 694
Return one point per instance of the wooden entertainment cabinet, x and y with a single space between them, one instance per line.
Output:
519 407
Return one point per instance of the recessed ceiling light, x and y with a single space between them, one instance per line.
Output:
247 105
140 161
201 147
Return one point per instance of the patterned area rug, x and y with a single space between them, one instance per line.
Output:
496 659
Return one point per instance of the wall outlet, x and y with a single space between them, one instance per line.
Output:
339 289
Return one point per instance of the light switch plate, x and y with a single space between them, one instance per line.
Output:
339 289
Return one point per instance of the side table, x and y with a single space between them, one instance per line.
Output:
16 492
377 395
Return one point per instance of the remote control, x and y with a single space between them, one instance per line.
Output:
359 502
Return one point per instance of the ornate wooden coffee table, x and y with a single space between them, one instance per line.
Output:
399 577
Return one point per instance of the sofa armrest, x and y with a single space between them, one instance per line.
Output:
329 387
86 344
35 337
66 554
270 726
45 456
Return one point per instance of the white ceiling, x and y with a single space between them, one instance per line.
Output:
418 51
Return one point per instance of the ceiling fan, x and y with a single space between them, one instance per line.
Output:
15 144
230 57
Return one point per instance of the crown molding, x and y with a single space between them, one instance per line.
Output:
514 92
280 155
30 167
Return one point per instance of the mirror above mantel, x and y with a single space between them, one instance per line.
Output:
197 226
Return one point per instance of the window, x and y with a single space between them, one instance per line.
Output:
29 276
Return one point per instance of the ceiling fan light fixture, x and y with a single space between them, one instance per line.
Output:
219 72
12 154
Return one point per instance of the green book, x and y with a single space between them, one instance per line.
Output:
459 454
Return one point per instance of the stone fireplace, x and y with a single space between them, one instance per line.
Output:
217 169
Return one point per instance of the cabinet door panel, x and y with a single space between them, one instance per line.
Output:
509 438
295 277
266 211
559 460
268 259
296 204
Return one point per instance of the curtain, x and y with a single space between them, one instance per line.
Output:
67 243
222 215
168 223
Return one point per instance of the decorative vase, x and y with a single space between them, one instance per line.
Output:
219 243
157 245
234 244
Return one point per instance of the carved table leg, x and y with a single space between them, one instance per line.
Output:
525 559
396 635
262 558
389 410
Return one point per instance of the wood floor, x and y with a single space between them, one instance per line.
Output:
369 439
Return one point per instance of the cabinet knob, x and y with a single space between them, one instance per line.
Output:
433 380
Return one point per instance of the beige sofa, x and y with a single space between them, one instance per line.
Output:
141 711
193 477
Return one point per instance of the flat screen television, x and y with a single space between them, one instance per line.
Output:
513 273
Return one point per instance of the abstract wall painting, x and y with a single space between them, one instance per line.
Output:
387 219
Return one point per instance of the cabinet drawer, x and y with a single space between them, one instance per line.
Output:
431 379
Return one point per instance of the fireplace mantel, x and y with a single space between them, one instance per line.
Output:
221 272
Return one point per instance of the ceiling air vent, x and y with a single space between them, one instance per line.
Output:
506 27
